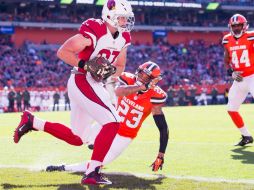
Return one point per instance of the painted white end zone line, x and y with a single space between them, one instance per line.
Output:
194 178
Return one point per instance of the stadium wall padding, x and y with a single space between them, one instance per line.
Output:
58 36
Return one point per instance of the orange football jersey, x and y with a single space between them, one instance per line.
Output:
241 52
134 108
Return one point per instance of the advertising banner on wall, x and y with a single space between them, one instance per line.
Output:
7 30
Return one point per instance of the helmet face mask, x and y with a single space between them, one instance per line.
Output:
118 13
238 25
237 29
143 78
125 23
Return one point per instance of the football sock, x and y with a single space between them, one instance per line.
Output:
236 118
104 140
102 144
238 121
244 131
38 124
62 132
79 167
92 165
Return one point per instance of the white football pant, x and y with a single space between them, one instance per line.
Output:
119 144
89 102
239 91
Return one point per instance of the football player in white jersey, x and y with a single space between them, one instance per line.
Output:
108 37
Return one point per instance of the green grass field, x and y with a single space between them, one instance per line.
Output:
200 154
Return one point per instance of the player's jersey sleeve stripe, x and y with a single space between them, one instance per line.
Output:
126 45
224 41
121 80
250 32
250 38
93 38
158 100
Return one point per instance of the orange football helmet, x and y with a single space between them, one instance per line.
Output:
151 71
234 22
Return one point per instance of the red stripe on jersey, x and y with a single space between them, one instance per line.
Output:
96 27
127 37
87 90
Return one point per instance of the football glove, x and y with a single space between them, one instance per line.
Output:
110 70
236 75
99 67
157 164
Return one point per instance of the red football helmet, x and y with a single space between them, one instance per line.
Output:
147 72
238 25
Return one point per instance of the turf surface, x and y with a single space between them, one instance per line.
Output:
200 147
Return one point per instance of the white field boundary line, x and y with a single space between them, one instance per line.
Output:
194 178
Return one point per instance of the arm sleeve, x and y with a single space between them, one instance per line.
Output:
161 123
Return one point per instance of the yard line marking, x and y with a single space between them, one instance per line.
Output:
194 178
31 168
189 143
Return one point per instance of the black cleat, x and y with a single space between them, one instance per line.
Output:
55 168
90 146
95 178
245 140
25 125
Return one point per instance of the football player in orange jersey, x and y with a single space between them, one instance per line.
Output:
239 60
138 96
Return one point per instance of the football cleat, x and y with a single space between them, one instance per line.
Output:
245 140
95 178
90 146
55 168
25 125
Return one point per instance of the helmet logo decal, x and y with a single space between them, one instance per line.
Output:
111 4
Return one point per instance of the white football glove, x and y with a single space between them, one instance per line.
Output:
236 75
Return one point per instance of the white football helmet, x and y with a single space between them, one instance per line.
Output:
113 9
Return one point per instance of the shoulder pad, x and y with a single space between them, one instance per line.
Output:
225 38
93 28
159 96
